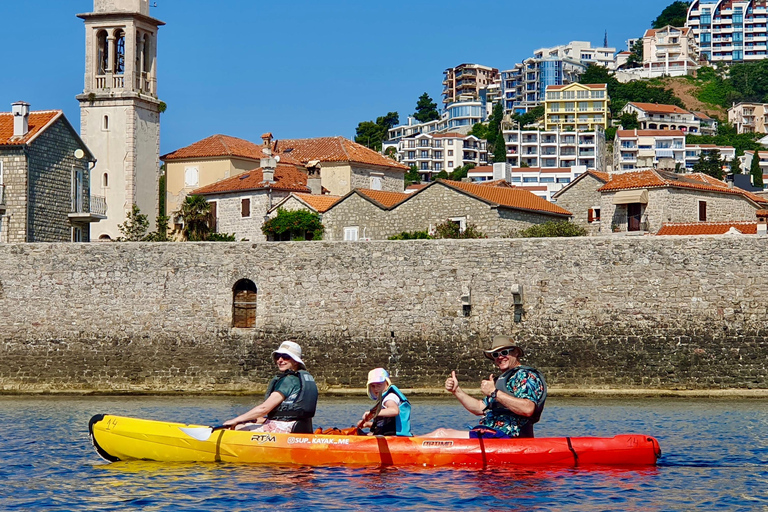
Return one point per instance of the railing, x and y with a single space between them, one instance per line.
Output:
101 82
98 205
118 82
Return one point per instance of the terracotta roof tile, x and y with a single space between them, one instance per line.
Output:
38 121
416 186
497 183
320 203
510 197
602 176
387 199
660 179
217 146
659 108
334 149
706 228
481 169
287 177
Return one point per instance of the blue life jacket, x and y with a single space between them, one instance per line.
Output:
301 408
399 425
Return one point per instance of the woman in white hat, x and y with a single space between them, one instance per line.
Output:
291 397
394 416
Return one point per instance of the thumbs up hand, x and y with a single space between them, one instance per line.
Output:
487 386
452 383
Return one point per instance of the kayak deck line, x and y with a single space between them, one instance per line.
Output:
118 438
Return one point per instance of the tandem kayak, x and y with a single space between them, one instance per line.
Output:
118 438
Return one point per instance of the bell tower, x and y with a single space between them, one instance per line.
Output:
120 110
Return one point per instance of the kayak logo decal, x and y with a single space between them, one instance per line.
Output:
437 444
316 440
263 438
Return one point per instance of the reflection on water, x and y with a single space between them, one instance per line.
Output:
715 456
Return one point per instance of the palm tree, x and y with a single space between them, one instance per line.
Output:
195 213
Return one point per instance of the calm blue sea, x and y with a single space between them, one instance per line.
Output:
715 458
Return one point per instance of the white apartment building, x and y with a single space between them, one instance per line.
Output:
644 149
653 116
749 117
523 87
694 151
441 152
555 149
541 182
730 31
669 51
467 80
746 164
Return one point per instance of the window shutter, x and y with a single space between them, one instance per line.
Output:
590 215
246 207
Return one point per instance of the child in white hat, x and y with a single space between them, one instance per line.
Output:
392 414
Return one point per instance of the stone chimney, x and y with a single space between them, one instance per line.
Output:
268 166
267 138
20 118
313 177
762 222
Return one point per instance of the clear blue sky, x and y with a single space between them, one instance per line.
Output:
301 68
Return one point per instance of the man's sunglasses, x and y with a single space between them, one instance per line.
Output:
502 353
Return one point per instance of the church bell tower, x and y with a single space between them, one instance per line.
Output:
120 110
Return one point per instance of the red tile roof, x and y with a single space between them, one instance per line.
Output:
481 169
602 176
651 31
660 179
449 135
496 183
287 177
656 108
334 149
509 197
701 115
38 121
707 228
320 203
416 186
384 198
218 146
628 134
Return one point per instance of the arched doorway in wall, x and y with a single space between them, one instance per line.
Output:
244 304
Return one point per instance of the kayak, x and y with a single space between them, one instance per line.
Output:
118 438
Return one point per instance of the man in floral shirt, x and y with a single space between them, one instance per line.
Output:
513 402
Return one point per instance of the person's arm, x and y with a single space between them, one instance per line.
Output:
473 405
519 406
272 401
388 409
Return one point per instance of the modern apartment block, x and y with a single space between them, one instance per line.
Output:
694 151
669 51
654 116
466 80
523 87
749 117
645 149
555 149
582 107
441 152
457 117
730 31
543 182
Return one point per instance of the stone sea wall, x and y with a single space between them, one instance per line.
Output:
622 313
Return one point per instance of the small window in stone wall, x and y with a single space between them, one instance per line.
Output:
702 211
244 304
245 207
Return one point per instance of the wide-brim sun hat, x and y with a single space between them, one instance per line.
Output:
501 342
292 350
376 376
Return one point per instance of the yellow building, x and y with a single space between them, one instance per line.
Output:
572 107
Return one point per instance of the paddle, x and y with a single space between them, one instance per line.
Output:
202 433
376 409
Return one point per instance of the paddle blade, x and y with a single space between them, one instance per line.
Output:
199 433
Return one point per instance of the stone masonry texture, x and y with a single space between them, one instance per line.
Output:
624 312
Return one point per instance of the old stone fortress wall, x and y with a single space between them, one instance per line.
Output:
592 313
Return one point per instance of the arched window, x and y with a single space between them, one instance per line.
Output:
147 54
103 52
105 181
119 64
244 304
106 123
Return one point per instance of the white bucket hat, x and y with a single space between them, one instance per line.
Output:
292 350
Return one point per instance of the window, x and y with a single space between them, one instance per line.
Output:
460 221
530 179
450 152
77 234
450 142
102 52
593 214
702 211
105 124
119 64
245 207
450 164
77 190
547 179
244 296
350 234
105 180
191 176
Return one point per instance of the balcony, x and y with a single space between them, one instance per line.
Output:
96 211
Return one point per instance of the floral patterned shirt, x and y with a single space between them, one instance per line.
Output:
523 384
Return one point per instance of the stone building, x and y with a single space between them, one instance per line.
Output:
641 201
120 110
301 201
239 205
494 211
44 179
582 198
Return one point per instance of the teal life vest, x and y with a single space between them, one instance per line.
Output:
300 407
526 429
399 425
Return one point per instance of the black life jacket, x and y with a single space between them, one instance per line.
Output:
300 408
501 385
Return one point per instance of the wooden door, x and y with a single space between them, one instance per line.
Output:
634 212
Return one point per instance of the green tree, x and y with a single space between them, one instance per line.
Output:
621 94
710 163
426 109
479 130
675 14
550 229
635 59
411 235
755 171
451 229
629 121
371 134
461 172
529 117
412 176
195 214
735 166
161 233
495 136
294 225
442 175
135 227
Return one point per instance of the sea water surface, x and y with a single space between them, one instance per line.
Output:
715 457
